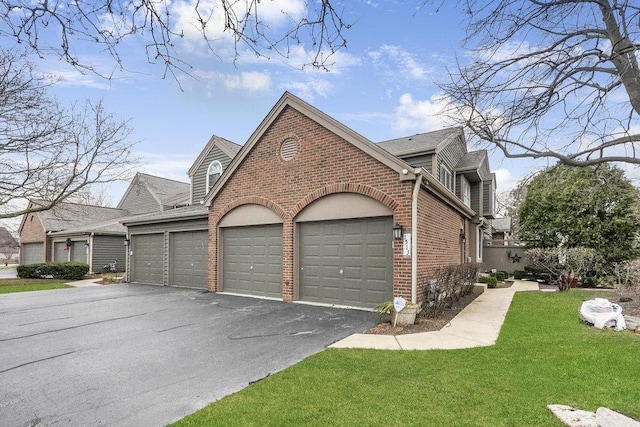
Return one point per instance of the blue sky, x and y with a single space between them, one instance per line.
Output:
382 85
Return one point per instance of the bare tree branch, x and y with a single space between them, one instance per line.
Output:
48 153
111 23
557 79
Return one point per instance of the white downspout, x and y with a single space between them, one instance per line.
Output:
414 237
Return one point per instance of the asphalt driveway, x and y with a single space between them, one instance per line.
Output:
146 355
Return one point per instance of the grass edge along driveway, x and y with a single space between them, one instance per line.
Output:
25 285
544 355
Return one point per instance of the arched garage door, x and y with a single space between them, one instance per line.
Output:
252 260
347 262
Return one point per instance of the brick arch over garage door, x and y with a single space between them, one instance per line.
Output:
344 253
250 250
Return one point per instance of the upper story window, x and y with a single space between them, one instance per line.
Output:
466 192
213 173
446 177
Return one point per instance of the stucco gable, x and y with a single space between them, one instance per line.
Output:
405 172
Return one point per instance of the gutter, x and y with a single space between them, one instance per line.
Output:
414 238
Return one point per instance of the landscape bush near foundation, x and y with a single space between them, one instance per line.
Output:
54 270
444 286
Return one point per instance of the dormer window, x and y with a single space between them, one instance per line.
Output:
446 177
213 173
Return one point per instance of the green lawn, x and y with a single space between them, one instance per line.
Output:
544 355
25 285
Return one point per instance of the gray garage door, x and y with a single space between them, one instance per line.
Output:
252 260
32 253
60 252
78 251
188 255
147 258
347 262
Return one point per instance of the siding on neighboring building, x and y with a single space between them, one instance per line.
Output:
422 161
199 180
476 196
107 249
139 200
451 153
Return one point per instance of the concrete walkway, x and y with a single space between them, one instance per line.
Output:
85 283
477 325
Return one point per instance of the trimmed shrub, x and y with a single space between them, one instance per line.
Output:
500 275
518 274
446 285
54 270
491 281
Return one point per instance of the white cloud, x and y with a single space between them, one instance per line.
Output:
248 81
420 116
504 180
309 89
399 64
273 14
74 78
211 82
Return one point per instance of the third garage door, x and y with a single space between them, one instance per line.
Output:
188 252
347 262
252 260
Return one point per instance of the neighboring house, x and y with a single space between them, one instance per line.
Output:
148 193
308 209
8 245
501 232
170 247
40 243
94 234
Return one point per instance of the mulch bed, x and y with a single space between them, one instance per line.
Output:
424 324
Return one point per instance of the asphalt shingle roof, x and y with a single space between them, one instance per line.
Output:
67 215
471 160
420 142
165 189
501 224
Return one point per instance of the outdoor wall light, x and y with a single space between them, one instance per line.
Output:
86 244
126 241
397 232
463 237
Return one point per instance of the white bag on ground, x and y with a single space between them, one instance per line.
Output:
602 313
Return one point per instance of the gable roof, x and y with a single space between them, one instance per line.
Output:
472 160
501 224
422 142
65 215
164 190
227 147
405 171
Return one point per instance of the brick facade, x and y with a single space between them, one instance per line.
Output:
328 164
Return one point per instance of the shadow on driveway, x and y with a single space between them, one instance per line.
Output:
147 355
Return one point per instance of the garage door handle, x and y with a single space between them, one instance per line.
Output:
341 272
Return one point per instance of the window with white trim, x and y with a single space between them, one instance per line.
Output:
446 177
466 192
213 173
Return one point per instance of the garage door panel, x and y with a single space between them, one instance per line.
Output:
252 260
347 262
147 258
188 258
32 253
